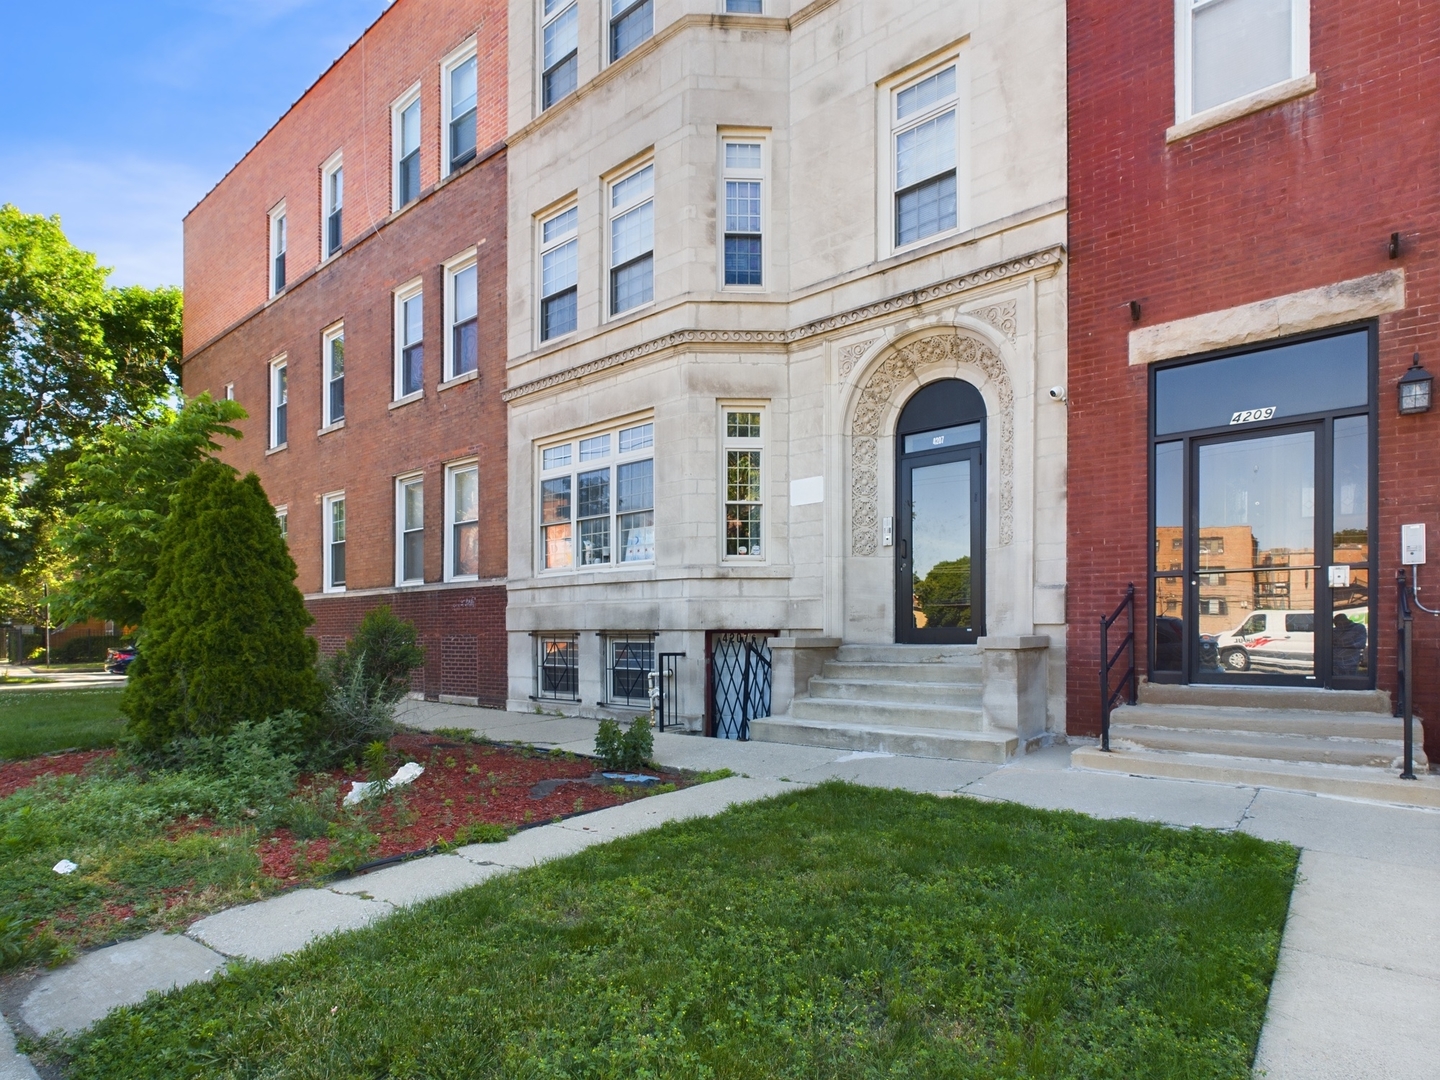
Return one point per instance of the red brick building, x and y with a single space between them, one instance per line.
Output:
1239 321
345 282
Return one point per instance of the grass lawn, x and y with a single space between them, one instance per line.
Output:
835 932
40 721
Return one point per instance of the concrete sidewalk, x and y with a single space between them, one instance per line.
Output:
57 680
1359 975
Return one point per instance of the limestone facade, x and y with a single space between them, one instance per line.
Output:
846 325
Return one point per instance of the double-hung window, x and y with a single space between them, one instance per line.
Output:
279 402
410 530
744 482
409 342
282 519
631 23
632 240
334 510
332 182
559 66
405 124
278 243
462 342
333 350
926 152
744 178
459 84
630 660
1227 49
597 499
557 667
462 518
558 274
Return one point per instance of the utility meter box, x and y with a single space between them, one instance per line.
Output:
1412 545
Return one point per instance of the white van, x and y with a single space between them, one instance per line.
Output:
1270 642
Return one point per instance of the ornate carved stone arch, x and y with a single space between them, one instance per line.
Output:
901 366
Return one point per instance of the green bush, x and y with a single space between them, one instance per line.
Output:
631 749
224 633
83 650
354 718
384 651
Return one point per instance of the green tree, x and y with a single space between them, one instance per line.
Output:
386 648
224 634
121 487
75 355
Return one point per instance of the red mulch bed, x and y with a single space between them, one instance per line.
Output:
15 775
463 784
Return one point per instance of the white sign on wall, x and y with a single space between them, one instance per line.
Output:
807 491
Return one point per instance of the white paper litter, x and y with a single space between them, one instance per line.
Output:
360 789
65 866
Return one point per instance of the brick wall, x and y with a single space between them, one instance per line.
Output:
1298 196
347 109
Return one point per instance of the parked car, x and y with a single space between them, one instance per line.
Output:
117 661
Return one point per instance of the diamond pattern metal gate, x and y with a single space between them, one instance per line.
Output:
739 683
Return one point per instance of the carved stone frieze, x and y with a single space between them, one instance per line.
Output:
1002 316
850 355
960 351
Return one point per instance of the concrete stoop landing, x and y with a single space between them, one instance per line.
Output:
1330 742
913 700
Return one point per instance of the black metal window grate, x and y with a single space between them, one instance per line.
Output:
739 683
557 667
630 658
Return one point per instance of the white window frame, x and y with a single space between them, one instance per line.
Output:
279 396
329 205
892 127
327 504
454 267
328 338
282 519
1184 55
613 17
279 232
614 213
573 467
229 391
760 176
465 52
453 470
542 248
562 8
397 111
408 291
401 484
737 443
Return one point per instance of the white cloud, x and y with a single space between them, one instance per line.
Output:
127 210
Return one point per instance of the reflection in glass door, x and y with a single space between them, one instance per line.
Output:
1256 558
939 569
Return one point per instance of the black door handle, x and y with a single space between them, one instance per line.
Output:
904 550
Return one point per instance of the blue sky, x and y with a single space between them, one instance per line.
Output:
122 114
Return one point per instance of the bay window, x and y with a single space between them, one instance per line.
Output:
597 499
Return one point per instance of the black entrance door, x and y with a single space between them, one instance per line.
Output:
940 527
1262 482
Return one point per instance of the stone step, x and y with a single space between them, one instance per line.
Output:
929 742
915 693
1348 781
907 654
867 671
888 714
1266 697
1358 725
1249 744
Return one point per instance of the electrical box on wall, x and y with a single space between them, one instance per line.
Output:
887 533
1412 545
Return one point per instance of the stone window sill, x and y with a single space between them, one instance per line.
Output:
459 380
406 400
1278 94
330 427
277 449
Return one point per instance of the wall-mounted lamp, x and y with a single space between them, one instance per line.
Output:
1134 310
1394 245
1415 389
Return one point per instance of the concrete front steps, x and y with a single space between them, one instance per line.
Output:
917 700
1329 742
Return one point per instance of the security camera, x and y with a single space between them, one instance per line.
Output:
1057 393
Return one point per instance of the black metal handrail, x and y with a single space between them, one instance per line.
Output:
666 671
1108 660
1404 656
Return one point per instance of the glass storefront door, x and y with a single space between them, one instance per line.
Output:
1261 485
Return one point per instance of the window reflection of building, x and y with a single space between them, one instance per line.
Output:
1235 576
